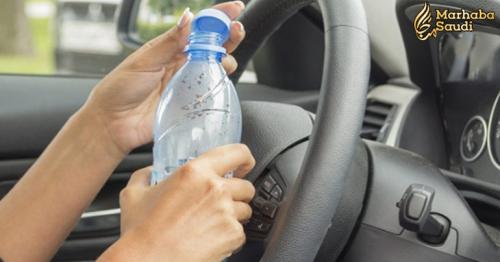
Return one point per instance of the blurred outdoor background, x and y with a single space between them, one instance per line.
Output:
75 36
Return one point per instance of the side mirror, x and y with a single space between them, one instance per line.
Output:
142 20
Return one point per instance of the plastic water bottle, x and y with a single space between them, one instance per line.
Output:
199 108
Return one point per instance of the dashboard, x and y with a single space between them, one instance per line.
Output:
469 67
473 131
493 135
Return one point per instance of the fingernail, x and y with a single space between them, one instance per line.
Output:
240 3
184 18
239 26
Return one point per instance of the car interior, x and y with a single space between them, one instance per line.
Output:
371 145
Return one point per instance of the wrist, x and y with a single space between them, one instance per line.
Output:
115 253
129 247
92 132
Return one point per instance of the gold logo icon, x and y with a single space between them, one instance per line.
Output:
422 23
428 24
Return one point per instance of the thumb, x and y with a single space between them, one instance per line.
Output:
140 178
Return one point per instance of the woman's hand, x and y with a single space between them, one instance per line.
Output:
194 215
125 101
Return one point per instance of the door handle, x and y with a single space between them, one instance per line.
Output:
101 213
97 223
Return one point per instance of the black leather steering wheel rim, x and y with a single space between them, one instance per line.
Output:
312 203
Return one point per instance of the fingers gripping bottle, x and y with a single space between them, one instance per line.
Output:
199 108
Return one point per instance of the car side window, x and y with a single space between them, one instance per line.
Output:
75 37
156 16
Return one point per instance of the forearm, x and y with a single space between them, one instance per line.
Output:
40 211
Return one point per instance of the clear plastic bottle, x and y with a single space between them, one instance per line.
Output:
199 108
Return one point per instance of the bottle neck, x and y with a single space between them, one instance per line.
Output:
204 55
205 46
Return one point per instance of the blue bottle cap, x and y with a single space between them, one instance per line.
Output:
209 21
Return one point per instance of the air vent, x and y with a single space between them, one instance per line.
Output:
378 119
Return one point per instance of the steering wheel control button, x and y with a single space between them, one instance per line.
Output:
264 195
258 226
268 183
277 192
416 205
269 209
259 203
415 214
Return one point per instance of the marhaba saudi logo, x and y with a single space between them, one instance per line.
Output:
447 20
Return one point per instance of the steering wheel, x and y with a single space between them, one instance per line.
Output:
311 205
